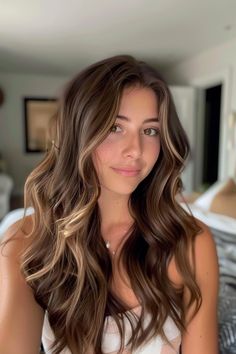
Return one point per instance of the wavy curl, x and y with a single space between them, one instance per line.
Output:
67 264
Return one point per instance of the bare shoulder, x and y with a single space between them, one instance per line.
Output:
205 256
12 246
201 334
204 244
202 257
22 335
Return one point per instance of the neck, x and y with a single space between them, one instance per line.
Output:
115 219
114 209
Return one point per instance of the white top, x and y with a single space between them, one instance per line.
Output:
111 338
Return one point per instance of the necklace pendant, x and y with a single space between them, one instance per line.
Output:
108 246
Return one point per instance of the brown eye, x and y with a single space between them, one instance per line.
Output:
114 128
151 131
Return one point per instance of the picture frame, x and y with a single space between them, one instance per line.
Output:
38 113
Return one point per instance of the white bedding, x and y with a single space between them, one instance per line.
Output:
216 221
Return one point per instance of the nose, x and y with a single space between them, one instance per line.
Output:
133 146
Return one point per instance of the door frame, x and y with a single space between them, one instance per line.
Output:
223 78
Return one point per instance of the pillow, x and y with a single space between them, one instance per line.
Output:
224 202
205 200
218 222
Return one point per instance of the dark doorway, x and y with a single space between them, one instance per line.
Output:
211 134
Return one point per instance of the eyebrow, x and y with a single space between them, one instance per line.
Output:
148 120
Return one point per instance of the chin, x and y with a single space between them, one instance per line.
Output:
123 190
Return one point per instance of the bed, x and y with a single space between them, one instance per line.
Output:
224 231
223 228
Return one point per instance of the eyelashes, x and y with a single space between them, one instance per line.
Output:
156 131
113 128
151 131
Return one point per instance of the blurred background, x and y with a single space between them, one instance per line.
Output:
192 43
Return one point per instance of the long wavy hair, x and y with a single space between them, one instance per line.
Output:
67 263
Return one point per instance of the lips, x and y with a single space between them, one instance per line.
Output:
127 171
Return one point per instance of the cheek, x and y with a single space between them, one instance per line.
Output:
102 154
154 151
152 156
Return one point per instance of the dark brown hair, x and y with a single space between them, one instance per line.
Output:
67 263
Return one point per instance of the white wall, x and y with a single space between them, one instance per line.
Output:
221 59
219 62
12 140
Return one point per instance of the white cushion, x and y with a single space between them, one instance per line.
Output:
205 200
217 221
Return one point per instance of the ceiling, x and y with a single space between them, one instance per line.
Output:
59 37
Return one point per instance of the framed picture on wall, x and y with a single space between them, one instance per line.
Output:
38 113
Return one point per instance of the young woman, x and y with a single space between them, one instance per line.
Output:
109 261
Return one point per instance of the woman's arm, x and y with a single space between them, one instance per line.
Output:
202 331
21 318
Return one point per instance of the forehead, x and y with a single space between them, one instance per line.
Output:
138 99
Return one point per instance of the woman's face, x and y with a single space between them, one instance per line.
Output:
129 152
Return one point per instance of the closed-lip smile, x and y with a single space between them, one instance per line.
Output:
127 171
